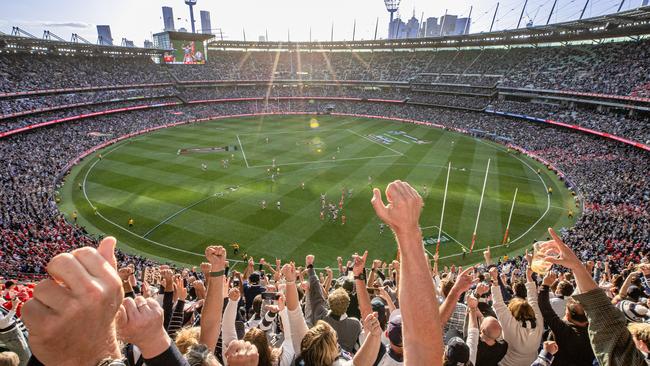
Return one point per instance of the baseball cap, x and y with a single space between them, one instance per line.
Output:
395 328
633 312
254 277
379 307
457 352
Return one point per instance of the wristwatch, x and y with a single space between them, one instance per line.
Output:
362 276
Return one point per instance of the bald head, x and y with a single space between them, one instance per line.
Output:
491 328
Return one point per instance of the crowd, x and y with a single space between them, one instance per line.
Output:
620 68
494 313
23 105
637 129
33 119
21 72
546 309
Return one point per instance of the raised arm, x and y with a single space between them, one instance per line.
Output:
213 306
228 329
367 353
462 284
612 342
360 284
421 329
316 295
297 325
473 328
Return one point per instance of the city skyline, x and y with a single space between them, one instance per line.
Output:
303 19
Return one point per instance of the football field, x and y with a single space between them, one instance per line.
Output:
259 182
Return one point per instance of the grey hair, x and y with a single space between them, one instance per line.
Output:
200 355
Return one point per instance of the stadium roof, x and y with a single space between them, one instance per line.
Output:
631 23
9 43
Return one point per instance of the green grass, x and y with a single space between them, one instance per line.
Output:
174 205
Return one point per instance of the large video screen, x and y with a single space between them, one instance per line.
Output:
185 52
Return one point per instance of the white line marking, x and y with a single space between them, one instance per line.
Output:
548 197
178 213
400 140
326 161
115 224
242 152
288 132
375 142
446 233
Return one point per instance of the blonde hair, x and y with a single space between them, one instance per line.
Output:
640 331
522 311
257 337
339 300
319 347
9 359
187 338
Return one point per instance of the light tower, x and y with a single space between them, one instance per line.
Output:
191 4
391 6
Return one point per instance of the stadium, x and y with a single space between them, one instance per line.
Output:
520 155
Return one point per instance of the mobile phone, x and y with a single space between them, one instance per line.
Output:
270 296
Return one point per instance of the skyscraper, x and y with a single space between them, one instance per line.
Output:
104 36
412 27
448 24
397 29
168 18
462 26
431 27
206 25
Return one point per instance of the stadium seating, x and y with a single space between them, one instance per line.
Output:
54 109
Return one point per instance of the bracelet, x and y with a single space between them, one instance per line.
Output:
111 362
361 277
217 273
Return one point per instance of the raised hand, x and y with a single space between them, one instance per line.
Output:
216 255
549 279
472 302
376 264
167 275
81 299
289 272
279 307
206 268
402 213
528 257
482 289
140 321
566 257
551 347
124 273
234 295
241 353
494 274
309 260
465 280
371 325
359 263
487 255
181 290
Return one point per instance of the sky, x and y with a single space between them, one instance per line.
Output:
137 20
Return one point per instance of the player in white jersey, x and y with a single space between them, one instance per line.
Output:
263 203
204 166
278 204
